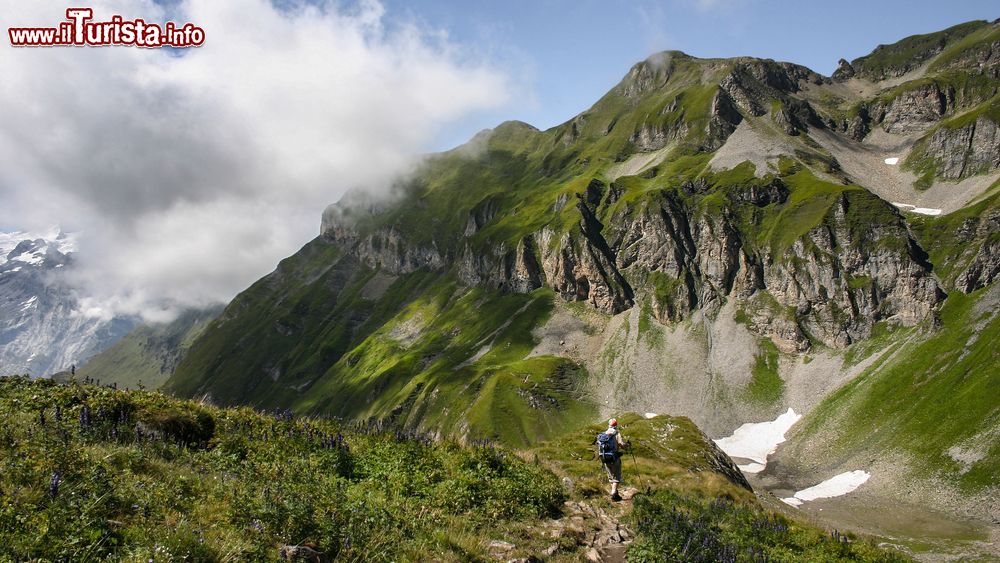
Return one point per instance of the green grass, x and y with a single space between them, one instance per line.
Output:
934 393
461 369
766 385
891 60
693 528
202 483
667 452
967 47
211 484
883 336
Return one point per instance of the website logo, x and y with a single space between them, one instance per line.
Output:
79 30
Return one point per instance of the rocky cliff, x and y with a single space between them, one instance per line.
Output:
854 266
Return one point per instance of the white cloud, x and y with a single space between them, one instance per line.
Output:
191 176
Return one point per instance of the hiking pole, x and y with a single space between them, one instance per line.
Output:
635 464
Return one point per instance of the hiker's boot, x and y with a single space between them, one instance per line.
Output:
615 496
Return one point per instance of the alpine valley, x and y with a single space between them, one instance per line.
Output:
717 239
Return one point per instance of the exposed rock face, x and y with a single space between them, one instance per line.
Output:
838 285
387 249
984 58
744 91
649 74
725 117
965 151
515 270
841 285
984 267
832 284
913 110
583 269
844 70
652 137
752 85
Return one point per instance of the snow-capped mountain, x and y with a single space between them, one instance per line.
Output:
41 331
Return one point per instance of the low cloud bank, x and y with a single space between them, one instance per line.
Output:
190 174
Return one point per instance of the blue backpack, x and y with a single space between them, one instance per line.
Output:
607 447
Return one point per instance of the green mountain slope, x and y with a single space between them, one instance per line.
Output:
146 357
714 238
930 397
939 48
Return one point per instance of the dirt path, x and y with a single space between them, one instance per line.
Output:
588 530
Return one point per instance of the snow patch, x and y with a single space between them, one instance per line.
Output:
29 304
756 441
36 257
651 415
915 209
54 237
892 161
833 487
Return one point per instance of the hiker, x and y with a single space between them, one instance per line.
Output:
609 449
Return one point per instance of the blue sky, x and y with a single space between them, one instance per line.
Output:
565 54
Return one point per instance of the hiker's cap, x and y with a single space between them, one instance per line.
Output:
613 422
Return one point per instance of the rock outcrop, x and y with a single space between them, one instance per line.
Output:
960 152
983 268
913 110
387 249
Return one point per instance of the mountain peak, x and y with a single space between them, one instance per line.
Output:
908 54
33 247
